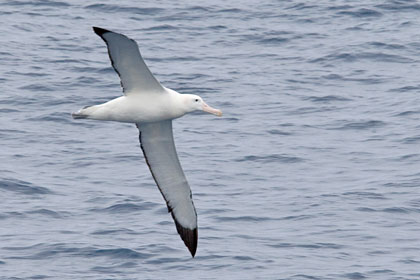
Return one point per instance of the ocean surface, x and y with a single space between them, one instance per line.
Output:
313 172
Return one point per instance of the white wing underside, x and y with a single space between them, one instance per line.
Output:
127 61
156 141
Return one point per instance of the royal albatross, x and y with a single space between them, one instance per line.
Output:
152 107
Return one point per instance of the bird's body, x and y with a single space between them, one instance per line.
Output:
152 107
138 108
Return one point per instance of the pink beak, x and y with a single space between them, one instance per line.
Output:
211 110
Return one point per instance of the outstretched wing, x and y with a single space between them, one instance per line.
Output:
126 59
157 143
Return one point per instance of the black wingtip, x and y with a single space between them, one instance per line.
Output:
100 31
189 236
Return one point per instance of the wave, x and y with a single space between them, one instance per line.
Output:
360 125
271 158
49 251
109 8
22 187
127 207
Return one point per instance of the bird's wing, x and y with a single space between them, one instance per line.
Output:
157 143
126 59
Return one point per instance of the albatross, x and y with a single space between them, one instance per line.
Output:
152 107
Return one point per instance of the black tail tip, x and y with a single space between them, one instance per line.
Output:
99 31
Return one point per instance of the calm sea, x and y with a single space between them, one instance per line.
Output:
312 173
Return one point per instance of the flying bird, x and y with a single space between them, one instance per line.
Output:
152 107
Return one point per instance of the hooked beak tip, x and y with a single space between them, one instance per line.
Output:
208 109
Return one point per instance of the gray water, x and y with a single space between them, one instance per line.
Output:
312 173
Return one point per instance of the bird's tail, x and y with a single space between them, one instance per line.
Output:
82 113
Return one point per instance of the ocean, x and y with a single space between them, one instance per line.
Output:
313 172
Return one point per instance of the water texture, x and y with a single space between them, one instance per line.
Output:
312 173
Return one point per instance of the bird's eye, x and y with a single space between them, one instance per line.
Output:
196 100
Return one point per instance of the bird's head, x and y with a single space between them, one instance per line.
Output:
195 103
